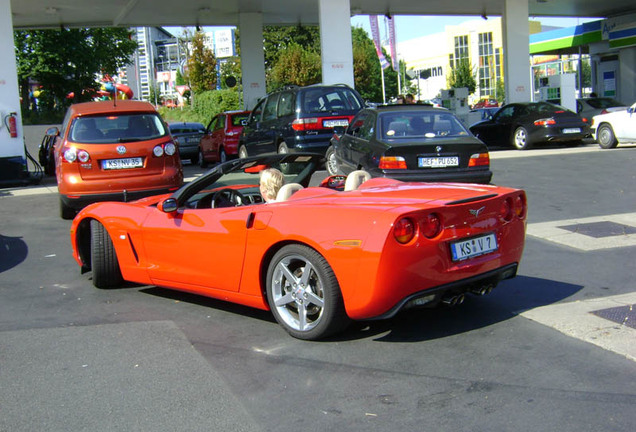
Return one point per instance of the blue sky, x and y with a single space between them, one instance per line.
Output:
411 27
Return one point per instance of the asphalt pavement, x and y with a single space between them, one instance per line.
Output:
551 350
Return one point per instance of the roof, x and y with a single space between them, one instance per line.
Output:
104 107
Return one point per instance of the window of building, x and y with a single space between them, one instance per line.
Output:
487 65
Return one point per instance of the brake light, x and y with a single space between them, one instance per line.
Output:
431 225
392 162
170 149
585 120
479 159
404 230
520 206
70 155
506 210
304 124
158 151
83 156
545 122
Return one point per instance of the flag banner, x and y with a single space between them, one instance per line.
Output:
393 45
375 34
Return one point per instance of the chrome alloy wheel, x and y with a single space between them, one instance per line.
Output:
297 293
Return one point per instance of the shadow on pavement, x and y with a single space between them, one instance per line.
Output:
13 250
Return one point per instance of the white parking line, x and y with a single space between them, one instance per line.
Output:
576 320
554 232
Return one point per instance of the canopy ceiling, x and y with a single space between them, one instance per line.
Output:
133 13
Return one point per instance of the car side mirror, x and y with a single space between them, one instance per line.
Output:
52 131
243 122
169 205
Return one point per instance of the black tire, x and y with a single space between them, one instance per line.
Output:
106 272
605 137
66 212
520 139
309 312
222 156
242 153
331 164
201 159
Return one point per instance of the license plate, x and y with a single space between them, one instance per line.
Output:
124 163
193 140
334 123
438 162
572 130
465 249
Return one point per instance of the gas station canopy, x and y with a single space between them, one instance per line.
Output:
132 13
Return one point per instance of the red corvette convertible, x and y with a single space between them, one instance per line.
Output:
319 256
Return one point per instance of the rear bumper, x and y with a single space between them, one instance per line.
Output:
462 176
433 296
79 202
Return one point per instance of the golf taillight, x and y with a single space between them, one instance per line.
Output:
158 151
392 162
404 230
83 156
431 225
70 155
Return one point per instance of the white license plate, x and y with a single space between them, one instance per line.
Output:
124 163
334 123
438 162
572 130
193 140
465 249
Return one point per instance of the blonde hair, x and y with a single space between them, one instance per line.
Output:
271 181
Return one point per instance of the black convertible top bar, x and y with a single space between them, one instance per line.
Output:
469 200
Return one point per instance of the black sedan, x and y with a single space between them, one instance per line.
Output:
409 143
187 135
522 125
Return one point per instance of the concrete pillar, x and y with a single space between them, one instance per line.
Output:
12 155
516 41
335 41
252 58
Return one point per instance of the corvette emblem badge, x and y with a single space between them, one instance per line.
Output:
476 212
121 149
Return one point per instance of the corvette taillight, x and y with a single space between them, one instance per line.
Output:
520 206
506 210
404 230
479 159
392 162
431 225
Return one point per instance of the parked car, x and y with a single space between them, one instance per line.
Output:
615 127
522 125
298 119
486 103
113 151
316 258
221 136
411 143
589 107
187 135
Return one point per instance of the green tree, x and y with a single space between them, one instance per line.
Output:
296 66
201 65
68 61
462 75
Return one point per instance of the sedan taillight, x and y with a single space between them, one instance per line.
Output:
545 122
479 159
392 162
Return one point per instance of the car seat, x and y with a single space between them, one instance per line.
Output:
287 190
398 128
355 179
87 131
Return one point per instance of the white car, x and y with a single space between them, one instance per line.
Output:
615 127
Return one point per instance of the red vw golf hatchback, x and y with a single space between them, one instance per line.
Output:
110 151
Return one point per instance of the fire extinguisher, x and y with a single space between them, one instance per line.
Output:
12 125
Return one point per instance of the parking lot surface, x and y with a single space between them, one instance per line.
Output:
552 349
